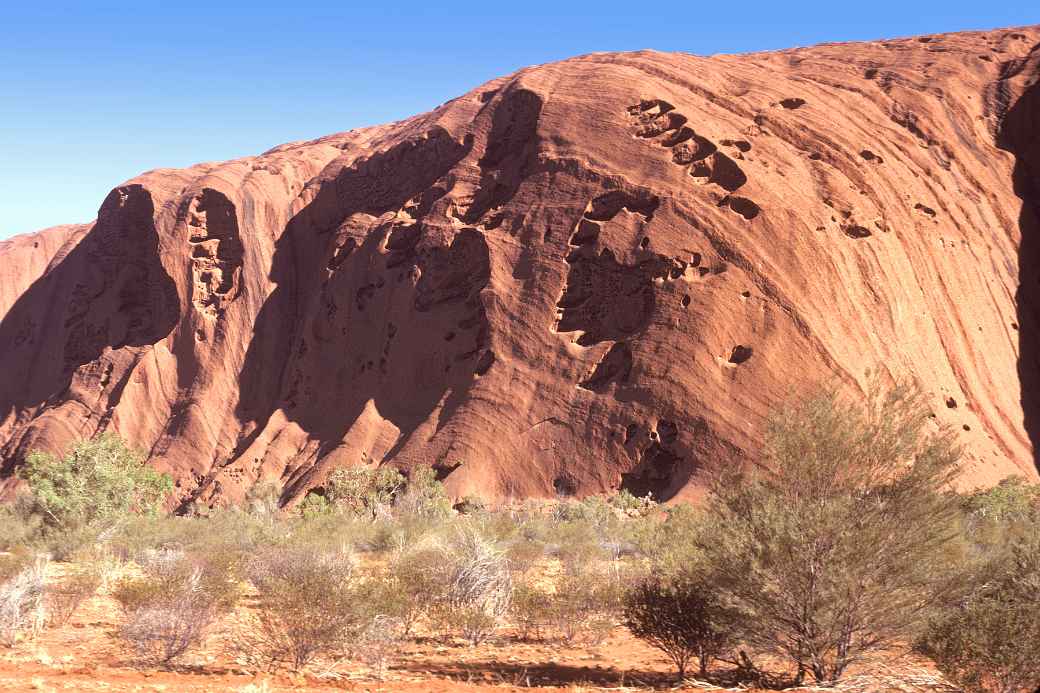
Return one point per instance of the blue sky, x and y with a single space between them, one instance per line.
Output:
93 93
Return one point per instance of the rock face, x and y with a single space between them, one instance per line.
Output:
599 273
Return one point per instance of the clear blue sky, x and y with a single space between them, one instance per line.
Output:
92 93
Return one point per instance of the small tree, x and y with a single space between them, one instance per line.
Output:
831 551
682 617
97 483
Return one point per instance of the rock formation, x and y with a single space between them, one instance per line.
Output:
599 273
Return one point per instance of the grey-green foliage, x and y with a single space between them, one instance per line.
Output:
310 603
985 640
99 482
373 491
423 497
830 550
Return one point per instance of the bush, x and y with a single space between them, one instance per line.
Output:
14 562
476 586
377 642
170 609
98 483
423 497
414 584
65 598
576 544
359 491
523 554
163 630
314 506
683 618
585 605
531 610
17 526
264 499
833 552
21 600
309 604
987 640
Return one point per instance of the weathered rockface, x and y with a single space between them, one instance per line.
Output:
598 273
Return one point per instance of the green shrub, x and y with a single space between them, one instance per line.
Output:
682 617
575 543
524 554
423 497
358 490
415 583
100 482
987 640
832 553
264 499
314 505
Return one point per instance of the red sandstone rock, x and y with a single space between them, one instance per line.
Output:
600 272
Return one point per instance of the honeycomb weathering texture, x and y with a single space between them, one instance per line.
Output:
599 273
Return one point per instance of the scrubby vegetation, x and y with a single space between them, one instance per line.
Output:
844 540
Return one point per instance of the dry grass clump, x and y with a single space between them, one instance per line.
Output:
21 597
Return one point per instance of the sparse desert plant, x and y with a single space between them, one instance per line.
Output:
18 526
576 544
378 642
14 562
524 554
423 497
986 641
21 601
476 586
63 599
360 490
586 605
170 609
414 584
264 499
308 605
682 617
530 610
831 551
471 505
163 630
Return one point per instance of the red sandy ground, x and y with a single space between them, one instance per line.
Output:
86 655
